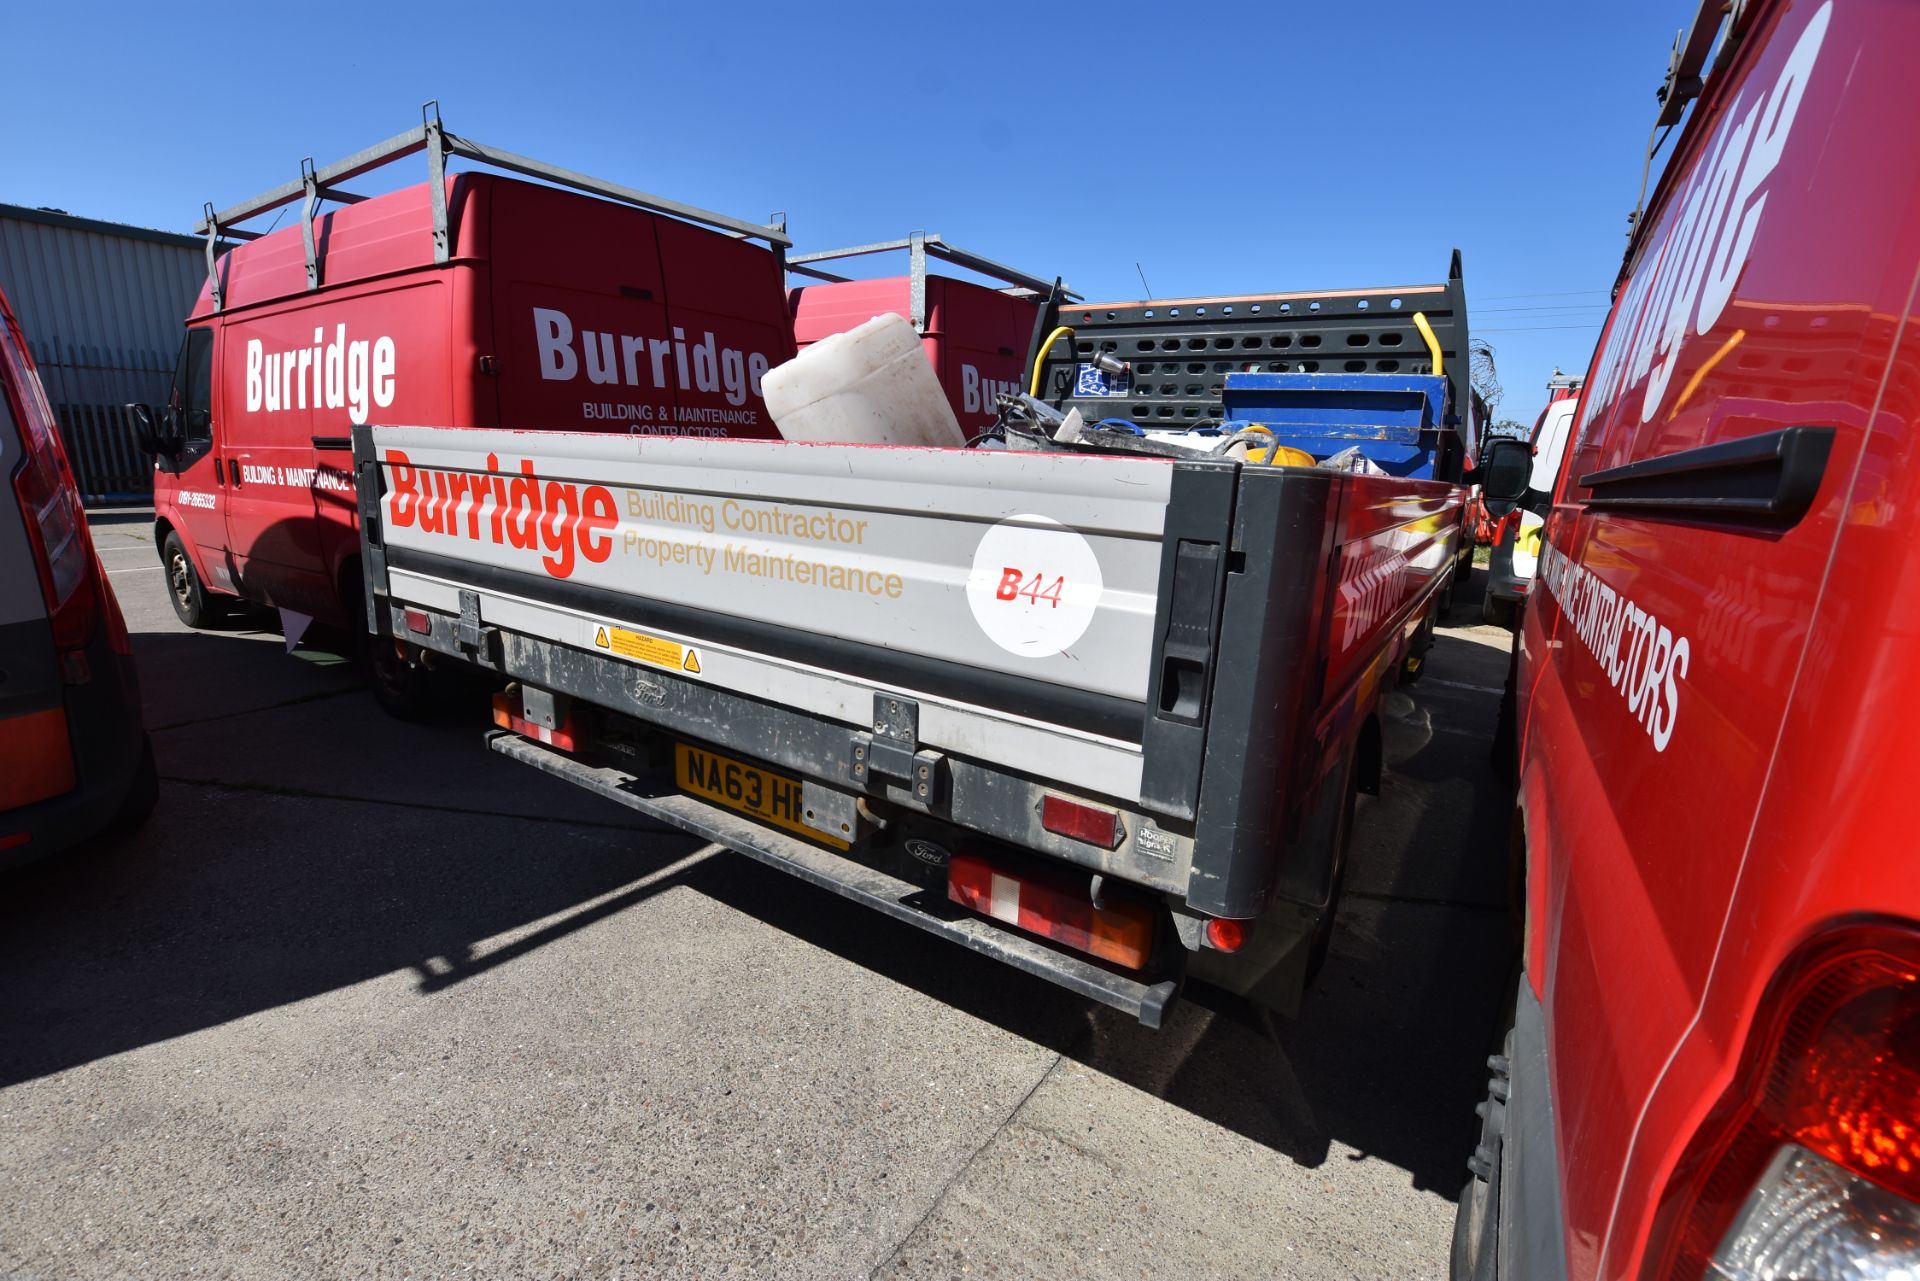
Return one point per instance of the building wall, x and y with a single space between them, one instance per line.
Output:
102 306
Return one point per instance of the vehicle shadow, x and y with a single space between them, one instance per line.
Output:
129 942
254 887
279 866
1387 1056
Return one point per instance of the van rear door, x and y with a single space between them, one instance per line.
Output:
981 336
580 315
727 299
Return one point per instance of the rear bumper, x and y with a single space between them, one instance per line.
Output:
902 900
109 746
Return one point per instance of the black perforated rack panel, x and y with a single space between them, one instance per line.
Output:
1180 350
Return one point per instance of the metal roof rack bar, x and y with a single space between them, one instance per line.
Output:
918 246
316 183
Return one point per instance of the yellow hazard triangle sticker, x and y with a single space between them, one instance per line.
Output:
600 638
693 661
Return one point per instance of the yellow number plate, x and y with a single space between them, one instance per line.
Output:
772 798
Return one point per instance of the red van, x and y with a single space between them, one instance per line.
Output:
1714 1065
469 300
74 756
977 337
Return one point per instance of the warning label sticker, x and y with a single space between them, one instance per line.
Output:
655 651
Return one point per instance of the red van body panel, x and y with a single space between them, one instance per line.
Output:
976 337
553 311
74 755
1715 713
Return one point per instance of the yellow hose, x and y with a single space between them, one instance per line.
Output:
1433 344
1040 359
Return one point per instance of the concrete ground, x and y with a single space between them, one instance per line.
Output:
363 999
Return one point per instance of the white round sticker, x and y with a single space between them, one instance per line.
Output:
1035 585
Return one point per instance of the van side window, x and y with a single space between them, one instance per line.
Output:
193 388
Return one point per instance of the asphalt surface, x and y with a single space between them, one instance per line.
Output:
363 999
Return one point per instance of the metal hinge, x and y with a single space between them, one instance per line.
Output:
469 632
893 750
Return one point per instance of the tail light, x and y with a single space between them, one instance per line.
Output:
1117 930
36 758
508 713
1087 823
1226 935
1810 1164
50 503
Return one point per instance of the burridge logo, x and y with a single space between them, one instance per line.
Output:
980 395
354 376
1686 280
622 359
524 511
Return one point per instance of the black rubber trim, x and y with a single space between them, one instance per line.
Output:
1772 477
333 442
1103 714
657 797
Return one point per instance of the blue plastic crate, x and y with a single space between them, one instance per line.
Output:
1396 420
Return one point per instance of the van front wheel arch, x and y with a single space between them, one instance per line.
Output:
192 603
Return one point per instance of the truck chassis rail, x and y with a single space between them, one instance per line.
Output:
899 899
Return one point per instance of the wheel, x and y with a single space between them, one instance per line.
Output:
405 691
143 793
1501 754
192 602
1322 942
1456 585
1496 612
1416 660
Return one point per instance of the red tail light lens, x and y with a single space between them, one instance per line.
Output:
1087 823
49 500
1832 1069
1119 931
508 714
36 758
1226 935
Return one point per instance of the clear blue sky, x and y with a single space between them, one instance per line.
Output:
1226 148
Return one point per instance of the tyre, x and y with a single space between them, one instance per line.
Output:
192 602
143 793
1497 612
1322 941
1415 662
405 691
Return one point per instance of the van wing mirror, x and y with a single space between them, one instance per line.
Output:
145 434
1506 467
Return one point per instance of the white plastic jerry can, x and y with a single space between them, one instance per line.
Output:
871 385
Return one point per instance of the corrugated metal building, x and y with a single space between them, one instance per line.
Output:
102 305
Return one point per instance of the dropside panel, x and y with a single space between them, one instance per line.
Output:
1043 567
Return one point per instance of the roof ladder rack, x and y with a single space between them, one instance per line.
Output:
918 246
431 136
